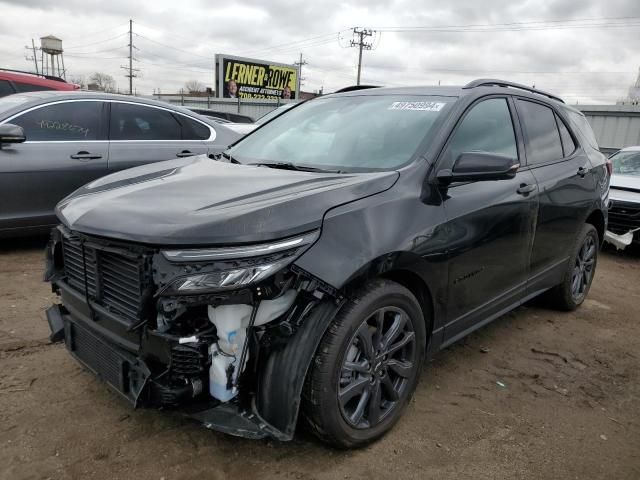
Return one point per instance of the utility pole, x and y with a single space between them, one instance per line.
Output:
361 34
130 68
35 58
300 63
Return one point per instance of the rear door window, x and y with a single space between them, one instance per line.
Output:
5 88
139 122
193 130
568 145
69 121
27 87
543 138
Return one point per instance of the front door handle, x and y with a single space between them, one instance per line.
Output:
582 171
526 188
185 153
84 156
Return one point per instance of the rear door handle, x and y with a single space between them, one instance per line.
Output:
82 155
185 153
582 171
526 188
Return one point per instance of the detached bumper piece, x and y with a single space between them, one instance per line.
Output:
132 378
119 369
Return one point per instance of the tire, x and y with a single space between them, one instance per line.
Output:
350 371
570 293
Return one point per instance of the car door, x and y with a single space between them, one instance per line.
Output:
65 148
566 186
142 134
490 223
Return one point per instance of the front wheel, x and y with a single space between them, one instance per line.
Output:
581 268
366 367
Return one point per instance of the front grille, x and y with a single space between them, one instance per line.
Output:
114 280
623 216
98 356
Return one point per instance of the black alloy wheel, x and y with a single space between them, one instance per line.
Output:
583 268
376 368
367 365
579 272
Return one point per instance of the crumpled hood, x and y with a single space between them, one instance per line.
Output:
199 201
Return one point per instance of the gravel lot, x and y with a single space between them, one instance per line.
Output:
569 408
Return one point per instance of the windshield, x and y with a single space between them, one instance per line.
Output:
626 163
348 133
274 113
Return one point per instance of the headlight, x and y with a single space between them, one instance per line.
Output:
275 256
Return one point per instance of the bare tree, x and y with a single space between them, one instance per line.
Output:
79 80
103 82
194 86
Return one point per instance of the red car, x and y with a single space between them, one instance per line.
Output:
13 81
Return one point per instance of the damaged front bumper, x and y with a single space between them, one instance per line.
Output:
233 360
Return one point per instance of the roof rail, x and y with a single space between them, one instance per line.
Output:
353 88
488 82
48 77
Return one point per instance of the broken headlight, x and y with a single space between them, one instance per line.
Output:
262 261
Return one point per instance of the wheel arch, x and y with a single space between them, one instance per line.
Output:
596 218
397 267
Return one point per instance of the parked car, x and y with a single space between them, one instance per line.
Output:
624 207
276 112
51 143
231 117
338 246
16 81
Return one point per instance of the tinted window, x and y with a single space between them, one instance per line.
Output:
62 121
486 128
567 142
543 143
137 122
192 130
5 88
27 87
584 128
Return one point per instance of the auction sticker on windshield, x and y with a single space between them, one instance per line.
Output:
422 106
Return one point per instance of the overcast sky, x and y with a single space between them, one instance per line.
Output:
423 42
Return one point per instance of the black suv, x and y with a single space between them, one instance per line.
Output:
314 267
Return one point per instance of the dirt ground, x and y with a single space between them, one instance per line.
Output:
536 395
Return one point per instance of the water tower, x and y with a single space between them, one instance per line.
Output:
52 47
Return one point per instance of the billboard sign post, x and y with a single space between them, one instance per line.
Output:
240 77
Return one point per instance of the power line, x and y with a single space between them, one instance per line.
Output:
171 47
98 42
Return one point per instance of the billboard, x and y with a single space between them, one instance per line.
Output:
239 77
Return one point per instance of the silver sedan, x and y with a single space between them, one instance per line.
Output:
51 143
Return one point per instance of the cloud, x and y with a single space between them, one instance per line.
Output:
176 42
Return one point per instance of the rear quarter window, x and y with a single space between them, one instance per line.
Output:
581 124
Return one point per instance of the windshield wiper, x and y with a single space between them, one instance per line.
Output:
292 166
230 158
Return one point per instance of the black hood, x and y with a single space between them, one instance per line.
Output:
198 201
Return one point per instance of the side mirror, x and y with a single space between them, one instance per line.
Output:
474 166
10 133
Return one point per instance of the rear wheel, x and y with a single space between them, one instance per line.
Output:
366 367
581 268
